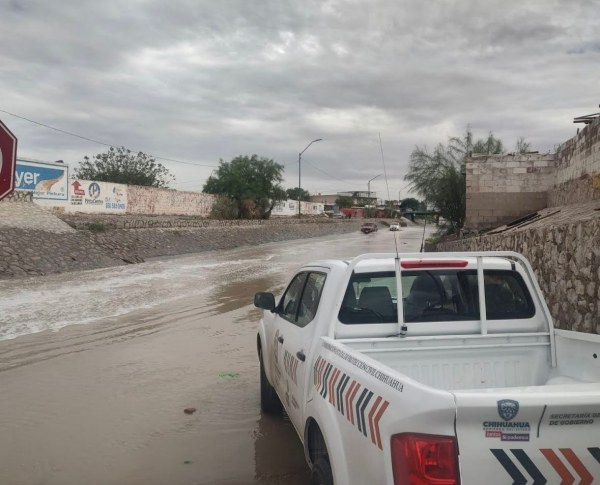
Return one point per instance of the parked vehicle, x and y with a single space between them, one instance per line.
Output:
394 226
368 227
434 368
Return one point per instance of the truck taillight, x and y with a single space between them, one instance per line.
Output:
424 459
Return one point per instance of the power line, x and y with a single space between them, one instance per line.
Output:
192 184
325 173
98 141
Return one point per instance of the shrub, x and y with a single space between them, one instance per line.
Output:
96 227
224 208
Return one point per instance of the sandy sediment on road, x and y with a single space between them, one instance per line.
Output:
103 403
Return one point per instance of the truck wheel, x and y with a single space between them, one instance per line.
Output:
269 401
321 472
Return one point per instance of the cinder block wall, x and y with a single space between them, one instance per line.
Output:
577 176
501 188
152 200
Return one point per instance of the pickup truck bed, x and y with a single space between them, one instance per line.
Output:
466 362
442 394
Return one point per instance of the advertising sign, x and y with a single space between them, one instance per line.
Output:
98 197
45 180
290 208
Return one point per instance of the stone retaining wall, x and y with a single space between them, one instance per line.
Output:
132 221
134 245
36 242
29 252
566 260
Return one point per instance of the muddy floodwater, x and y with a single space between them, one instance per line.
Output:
97 367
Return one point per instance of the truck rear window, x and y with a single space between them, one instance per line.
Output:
435 295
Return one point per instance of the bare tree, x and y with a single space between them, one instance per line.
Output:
522 145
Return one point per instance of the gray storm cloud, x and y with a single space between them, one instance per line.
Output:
198 81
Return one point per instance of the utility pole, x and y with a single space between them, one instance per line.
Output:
300 172
369 188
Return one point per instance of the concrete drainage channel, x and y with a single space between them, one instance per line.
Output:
50 243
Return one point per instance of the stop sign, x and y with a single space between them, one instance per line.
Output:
8 160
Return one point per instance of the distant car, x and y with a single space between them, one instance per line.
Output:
368 227
394 226
341 215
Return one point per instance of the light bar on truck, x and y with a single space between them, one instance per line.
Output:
433 263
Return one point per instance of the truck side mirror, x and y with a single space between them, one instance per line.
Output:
263 300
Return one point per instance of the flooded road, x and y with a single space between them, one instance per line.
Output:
96 368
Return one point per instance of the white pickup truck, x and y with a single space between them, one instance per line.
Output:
466 382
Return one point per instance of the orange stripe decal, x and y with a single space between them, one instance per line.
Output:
377 419
371 414
321 374
347 401
332 382
352 402
586 477
565 475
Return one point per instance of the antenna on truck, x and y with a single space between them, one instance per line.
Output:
423 238
399 300
387 185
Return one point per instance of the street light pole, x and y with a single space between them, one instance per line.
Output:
369 187
300 171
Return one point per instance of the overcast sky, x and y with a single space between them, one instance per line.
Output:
199 80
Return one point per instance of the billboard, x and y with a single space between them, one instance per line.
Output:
97 197
46 181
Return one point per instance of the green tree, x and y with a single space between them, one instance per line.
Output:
344 201
438 177
251 182
293 194
410 203
122 166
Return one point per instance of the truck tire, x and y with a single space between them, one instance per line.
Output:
269 400
321 473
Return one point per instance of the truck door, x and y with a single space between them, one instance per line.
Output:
297 310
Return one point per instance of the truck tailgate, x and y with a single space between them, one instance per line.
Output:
543 434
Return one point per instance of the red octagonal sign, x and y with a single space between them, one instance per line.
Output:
8 160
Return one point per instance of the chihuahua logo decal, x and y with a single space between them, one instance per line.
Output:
508 409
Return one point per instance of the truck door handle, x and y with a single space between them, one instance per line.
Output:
280 338
301 355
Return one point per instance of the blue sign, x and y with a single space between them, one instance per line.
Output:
94 190
45 180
